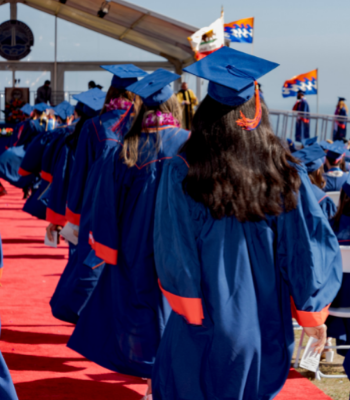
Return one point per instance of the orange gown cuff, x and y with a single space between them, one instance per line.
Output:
72 217
190 308
46 176
55 218
309 319
23 172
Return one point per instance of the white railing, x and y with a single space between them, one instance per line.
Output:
321 125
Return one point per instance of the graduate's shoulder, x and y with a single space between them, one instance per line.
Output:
177 167
320 194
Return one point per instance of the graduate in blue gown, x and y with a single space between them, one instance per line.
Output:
9 141
335 177
99 136
99 133
302 126
339 328
11 159
41 152
313 158
7 390
121 326
241 245
340 125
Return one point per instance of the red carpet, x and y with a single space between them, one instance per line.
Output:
34 343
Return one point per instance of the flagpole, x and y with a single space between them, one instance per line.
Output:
317 91
317 103
253 38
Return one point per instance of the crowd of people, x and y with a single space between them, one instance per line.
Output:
194 238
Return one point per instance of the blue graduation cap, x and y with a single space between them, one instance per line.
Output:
93 100
312 157
231 74
342 99
155 88
64 110
309 141
27 109
346 186
124 74
42 107
325 145
336 151
291 145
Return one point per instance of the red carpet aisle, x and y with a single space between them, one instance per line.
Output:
34 343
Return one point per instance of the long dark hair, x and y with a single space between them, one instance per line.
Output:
236 172
316 177
343 209
130 151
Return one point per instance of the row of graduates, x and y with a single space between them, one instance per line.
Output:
181 272
40 126
327 167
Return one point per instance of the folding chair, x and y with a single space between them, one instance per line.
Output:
334 196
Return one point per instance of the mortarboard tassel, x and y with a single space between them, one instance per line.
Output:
250 124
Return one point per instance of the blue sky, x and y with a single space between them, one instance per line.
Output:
300 35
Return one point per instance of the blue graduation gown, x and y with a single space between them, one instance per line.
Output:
121 325
340 127
60 172
326 203
98 138
32 160
302 126
41 156
335 179
28 131
339 328
11 159
230 285
56 198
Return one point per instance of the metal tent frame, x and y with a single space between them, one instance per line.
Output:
131 24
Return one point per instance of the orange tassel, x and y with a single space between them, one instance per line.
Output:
250 124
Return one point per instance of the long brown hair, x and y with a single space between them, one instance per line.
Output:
343 209
130 151
114 93
316 177
247 174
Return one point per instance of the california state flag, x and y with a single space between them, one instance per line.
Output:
209 39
